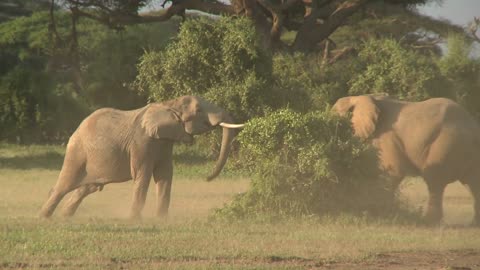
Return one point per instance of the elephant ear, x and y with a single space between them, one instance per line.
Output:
162 123
364 113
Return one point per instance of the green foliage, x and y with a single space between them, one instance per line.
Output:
11 9
110 59
296 81
388 67
33 105
32 108
221 60
306 164
462 72
38 99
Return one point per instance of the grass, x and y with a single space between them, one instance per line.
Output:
100 236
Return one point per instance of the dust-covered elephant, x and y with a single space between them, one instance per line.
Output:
112 146
436 139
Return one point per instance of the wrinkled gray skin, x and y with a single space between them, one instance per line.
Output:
112 146
436 139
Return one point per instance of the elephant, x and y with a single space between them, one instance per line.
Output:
435 139
112 146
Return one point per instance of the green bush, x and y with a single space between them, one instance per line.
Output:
38 100
295 81
220 60
462 72
308 164
387 67
34 109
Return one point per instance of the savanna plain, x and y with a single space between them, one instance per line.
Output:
101 237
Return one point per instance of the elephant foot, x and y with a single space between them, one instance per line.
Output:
135 216
162 213
43 215
476 222
68 213
162 217
46 213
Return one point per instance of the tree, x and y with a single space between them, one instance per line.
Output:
38 98
309 25
312 20
10 9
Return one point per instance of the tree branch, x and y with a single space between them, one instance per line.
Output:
52 26
277 20
117 20
312 32
337 54
74 55
473 28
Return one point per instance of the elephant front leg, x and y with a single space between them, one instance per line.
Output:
434 211
141 182
163 179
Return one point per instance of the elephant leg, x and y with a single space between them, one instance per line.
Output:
67 181
141 180
434 211
474 187
72 173
53 200
392 159
163 180
77 197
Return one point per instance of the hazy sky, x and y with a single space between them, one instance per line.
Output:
459 12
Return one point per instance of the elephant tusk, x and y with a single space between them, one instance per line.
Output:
228 125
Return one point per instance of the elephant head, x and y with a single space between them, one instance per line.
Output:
160 122
188 116
364 113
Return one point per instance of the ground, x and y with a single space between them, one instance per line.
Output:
100 236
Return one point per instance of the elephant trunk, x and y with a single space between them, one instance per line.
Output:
227 138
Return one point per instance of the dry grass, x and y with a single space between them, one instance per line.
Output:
101 237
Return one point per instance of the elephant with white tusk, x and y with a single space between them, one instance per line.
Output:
112 146
436 139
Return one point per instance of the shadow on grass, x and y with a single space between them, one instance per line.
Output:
47 160
51 157
54 160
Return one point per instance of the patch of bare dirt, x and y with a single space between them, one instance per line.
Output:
449 260
425 260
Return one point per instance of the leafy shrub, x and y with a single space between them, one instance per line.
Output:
34 109
38 101
388 67
220 60
306 164
462 72
110 58
295 80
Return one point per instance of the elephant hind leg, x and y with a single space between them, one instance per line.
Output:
53 200
472 180
69 179
474 186
77 197
434 213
